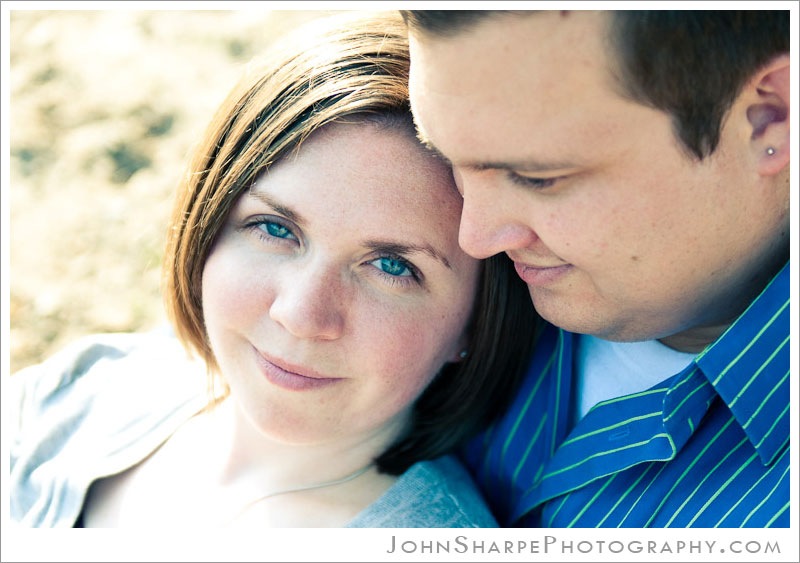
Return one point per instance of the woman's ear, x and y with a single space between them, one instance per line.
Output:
460 355
768 104
462 350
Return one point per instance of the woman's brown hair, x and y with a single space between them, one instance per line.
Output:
352 67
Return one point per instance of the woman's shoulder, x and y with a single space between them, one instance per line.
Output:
102 377
94 408
95 362
437 493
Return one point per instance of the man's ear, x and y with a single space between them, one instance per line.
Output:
767 96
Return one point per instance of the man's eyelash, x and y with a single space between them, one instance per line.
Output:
537 183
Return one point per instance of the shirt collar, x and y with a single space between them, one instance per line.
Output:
749 368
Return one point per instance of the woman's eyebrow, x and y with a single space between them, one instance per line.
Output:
287 212
402 249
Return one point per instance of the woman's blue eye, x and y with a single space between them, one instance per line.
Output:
275 229
393 266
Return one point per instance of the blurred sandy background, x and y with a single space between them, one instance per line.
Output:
105 106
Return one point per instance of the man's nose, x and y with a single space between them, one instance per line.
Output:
490 222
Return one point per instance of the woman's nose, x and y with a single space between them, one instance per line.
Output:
310 304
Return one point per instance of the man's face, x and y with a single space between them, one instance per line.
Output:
615 229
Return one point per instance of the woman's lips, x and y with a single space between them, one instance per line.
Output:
539 276
291 377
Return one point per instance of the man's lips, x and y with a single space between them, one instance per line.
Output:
540 275
292 376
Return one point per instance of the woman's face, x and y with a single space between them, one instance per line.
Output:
336 289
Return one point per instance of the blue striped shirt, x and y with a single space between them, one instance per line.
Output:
708 447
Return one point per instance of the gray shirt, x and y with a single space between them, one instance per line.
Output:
108 401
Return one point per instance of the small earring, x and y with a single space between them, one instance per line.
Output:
462 354
770 151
